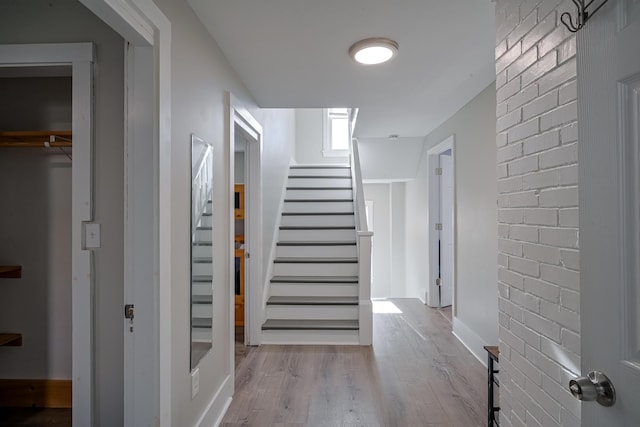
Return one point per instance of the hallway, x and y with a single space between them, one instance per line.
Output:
416 374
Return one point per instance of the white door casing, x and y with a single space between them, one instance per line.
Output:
446 234
609 169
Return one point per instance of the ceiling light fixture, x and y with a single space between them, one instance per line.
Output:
373 51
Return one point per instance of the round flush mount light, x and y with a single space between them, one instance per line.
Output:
373 51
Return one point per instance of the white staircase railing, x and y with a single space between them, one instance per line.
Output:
363 241
201 187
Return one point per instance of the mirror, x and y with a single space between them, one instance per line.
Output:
201 248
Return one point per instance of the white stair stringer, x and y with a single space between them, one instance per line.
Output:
314 289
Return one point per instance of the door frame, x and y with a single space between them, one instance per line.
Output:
238 115
81 57
434 212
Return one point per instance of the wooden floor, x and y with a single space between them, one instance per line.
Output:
415 374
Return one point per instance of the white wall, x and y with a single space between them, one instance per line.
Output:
309 137
238 170
385 159
475 317
539 272
200 77
30 21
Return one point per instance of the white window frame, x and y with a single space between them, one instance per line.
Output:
327 150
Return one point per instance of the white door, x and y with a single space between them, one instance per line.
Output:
446 234
609 164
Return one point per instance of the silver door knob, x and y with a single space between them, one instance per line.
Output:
595 386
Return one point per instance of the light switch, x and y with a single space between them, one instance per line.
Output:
91 235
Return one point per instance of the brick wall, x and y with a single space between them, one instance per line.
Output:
538 257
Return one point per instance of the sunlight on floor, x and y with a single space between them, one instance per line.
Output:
385 307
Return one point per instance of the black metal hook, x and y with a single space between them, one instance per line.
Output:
583 15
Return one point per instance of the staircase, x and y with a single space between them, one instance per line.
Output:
202 278
314 289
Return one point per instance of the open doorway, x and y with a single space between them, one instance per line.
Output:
441 289
240 241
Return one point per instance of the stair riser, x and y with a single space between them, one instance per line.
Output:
316 251
206 221
319 220
319 182
201 334
350 269
317 235
203 311
202 288
319 194
346 172
285 337
313 290
202 269
310 312
318 207
202 251
204 235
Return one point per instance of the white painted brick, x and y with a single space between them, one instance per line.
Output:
524 130
503 201
504 320
510 247
517 377
542 253
501 109
567 50
563 155
549 404
560 276
501 48
522 63
524 266
522 97
508 90
539 106
505 26
546 7
551 41
510 185
523 165
524 233
570 300
527 368
557 76
544 326
564 197
511 216
503 260
569 133
568 419
511 278
503 230
502 171
538 69
561 394
543 28
542 289
540 217
509 120
570 259
527 7
512 341
510 152
504 291
528 335
570 340
511 309
501 139
568 92
549 367
544 179
567 319
523 28
559 237
566 358
527 301
565 114
541 142
508 58
569 175
523 199
501 79
569 217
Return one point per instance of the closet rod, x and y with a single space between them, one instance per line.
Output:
53 139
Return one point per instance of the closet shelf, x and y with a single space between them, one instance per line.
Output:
10 271
36 139
13 340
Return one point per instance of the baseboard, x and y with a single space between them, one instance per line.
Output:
35 393
218 405
470 340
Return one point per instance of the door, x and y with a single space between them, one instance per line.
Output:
609 119
446 234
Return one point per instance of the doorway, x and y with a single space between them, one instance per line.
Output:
441 288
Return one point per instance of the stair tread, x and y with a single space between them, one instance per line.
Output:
319 167
286 324
314 279
315 260
318 188
317 200
312 243
201 299
203 260
317 213
317 227
296 300
318 177
202 278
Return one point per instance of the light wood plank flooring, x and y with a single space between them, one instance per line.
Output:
415 374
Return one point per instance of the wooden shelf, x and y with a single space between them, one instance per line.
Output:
10 271
13 340
36 139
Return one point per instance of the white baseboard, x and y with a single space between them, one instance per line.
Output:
470 340
217 407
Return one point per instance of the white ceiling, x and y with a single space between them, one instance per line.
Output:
294 54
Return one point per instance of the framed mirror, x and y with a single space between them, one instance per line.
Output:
201 248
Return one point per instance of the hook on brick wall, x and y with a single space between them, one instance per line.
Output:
583 15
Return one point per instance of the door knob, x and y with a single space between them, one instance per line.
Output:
595 386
